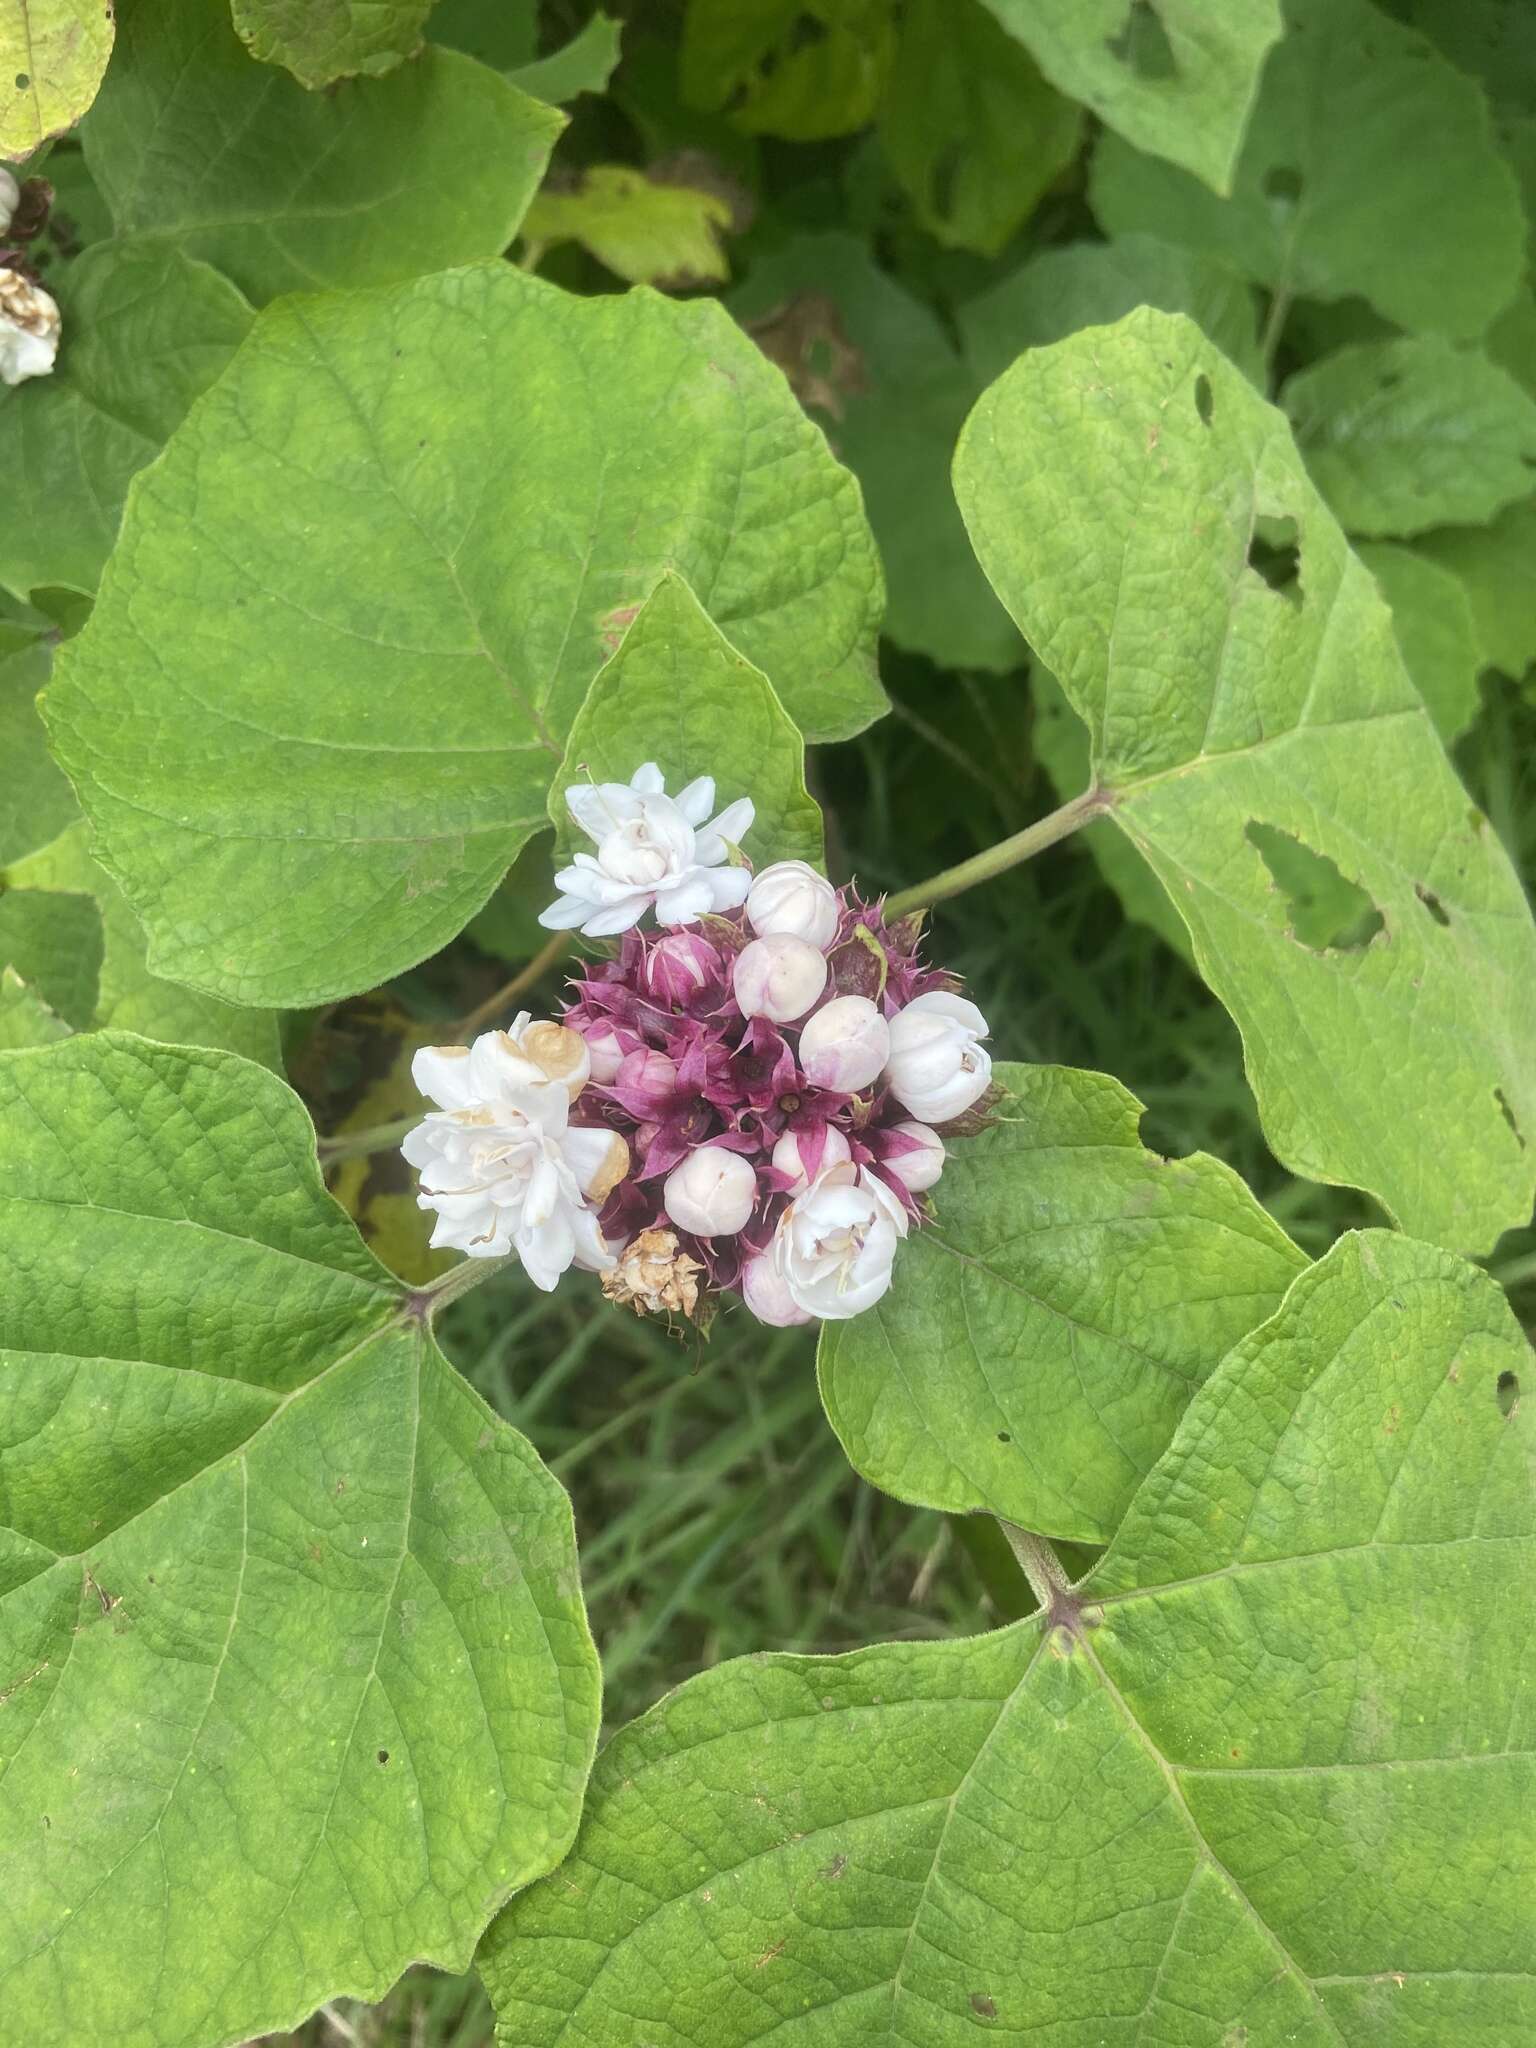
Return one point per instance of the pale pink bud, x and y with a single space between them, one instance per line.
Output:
778 978
792 1155
845 1045
646 1082
605 1051
920 1167
680 967
711 1192
938 1066
764 1291
790 898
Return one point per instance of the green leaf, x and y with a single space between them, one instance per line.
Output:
1404 435
1493 563
1176 77
52 55
54 943
877 369
502 33
25 1019
1266 1779
584 64
1093 284
1115 487
124 993
320 41
1045 1332
647 230
419 516
298 1684
1335 192
971 131
375 180
145 330
1436 633
676 692
801 69
36 802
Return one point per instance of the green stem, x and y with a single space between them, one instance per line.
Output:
549 955
426 1302
357 1144
1007 853
1039 1564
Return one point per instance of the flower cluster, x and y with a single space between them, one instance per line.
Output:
762 1087
29 317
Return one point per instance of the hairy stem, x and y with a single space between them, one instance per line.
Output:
1007 853
1048 1581
548 955
424 1302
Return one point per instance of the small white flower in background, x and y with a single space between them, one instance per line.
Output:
711 1192
29 329
651 849
499 1160
938 1067
835 1243
10 199
845 1046
778 978
791 897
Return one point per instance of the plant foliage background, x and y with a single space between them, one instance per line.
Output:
1012 400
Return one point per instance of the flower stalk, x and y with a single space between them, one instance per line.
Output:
1008 853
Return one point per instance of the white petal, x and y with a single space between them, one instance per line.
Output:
606 924
442 1073
648 779
564 914
697 800
598 806
729 886
733 824
686 901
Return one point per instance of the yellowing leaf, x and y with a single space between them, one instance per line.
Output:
52 56
643 230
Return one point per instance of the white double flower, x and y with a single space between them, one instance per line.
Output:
29 329
832 1252
499 1160
651 849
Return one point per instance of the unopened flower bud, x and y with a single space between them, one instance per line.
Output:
920 1165
10 199
605 1053
778 978
938 1066
793 1155
845 1045
711 1193
29 329
790 898
764 1290
646 1082
681 967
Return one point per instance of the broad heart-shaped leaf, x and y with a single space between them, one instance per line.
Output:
297 1684
677 693
971 130
1045 1332
1090 284
1267 1780
1436 632
383 559
1117 487
1176 78
374 180
1340 188
52 55
320 41
1493 564
877 369
1404 435
145 330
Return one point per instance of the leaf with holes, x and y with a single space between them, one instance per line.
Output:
1404 435
375 180
1043 1336
297 1683
147 330
676 692
1297 1676
972 132
420 517
1175 77
320 41
875 367
52 56
801 69
1335 192
1251 717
